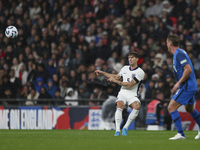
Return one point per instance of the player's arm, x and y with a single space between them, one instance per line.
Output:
126 84
186 74
108 75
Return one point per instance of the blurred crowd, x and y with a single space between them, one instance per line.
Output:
62 42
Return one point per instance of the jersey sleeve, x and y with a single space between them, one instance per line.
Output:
182 59
139 76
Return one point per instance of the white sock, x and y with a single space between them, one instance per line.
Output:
118 118
131 117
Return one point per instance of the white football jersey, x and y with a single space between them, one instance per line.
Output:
127 75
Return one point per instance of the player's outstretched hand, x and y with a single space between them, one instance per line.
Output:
98 72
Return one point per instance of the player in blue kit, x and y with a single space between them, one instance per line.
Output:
184 89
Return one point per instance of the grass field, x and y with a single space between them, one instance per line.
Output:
94 140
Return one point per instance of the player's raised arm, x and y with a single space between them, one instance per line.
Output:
108 75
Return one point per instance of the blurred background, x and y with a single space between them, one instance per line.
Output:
62 42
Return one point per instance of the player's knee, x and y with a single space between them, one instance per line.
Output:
136 106
120 105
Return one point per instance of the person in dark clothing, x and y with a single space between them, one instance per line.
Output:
7 90
7 94
102 12
163 106
150 90
50 67
32 73
42 72
44 95
16 82
58 100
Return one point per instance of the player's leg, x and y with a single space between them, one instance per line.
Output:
134 113
172 108
118 116
195 115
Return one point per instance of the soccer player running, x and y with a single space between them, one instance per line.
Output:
130 78
185 87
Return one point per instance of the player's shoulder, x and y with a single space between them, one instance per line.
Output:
127 68
141 70
181 52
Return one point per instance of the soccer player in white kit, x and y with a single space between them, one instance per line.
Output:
130 78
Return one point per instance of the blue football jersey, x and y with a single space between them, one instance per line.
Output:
180 59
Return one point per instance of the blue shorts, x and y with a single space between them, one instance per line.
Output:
184 97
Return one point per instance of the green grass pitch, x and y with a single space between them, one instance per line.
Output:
94 140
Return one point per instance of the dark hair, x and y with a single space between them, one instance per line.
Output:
174 39
133 53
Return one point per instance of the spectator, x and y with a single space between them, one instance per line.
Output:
58 100
150 90
157 112
74 35
8 95
55 80
50 67
78 60
167 21
83 92
119 65
157 8
39 84
150 9
7 90
44 97
167 7
24 92
32 97
36 9
138 6
97 94
41 72
158 61
71 95
63 88
65 26
125 47
23 74
32 73
61 71
113 9
102 12
72 79
50 88
16 82
87 55
15 66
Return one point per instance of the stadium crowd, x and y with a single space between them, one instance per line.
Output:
62 42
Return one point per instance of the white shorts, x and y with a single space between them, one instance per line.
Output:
127 98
